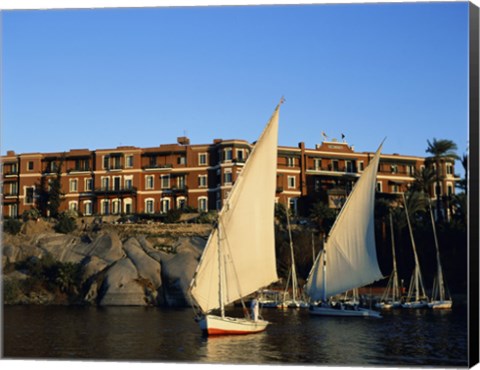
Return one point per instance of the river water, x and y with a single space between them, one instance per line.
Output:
400 338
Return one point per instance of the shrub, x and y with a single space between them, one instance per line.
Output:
172 216
12 226
65 224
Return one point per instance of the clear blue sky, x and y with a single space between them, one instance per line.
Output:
107 77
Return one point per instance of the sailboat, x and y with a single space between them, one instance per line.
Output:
349 258
295 301
391 297
239 257
439 300
416 297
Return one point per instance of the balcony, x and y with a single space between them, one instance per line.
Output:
150 167
78 170
115 190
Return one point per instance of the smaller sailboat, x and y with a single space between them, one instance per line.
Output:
349 258
416 298
391 297
239 257
294 301
439 292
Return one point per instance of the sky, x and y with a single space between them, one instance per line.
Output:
102 78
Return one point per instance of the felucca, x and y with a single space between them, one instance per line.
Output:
439 292
239 257
349 258
416 298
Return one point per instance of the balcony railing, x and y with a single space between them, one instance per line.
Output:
157 166
116 190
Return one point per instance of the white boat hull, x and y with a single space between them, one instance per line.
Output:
388 305
347 312
415 304
217 325
437 305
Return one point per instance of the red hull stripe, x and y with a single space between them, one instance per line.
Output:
213 331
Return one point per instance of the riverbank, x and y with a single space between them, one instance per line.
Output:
102 264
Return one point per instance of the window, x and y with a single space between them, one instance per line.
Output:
116 183
181 182
411 170
87 208
202 181
290 162
202 159
106 162
88 184
105 183
240 155
348 166
202 204
164 205
116 162
317 164
149 206
292 205
149 183
228 154
165 181
449 189
105 207
127 205
379 187
128 183
116 206
129 161
360 166
30 165
395 188
73 206
394 168
13 210
291 182
227 178
181 203
449 169
181 160
29 195
73 185
335 165
13 188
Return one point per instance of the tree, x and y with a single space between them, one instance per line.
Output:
441 150
423 180
55 193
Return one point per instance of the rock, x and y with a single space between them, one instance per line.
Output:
177 272
14 254
106 246
61 247
146 266
35 227
121 286
92 265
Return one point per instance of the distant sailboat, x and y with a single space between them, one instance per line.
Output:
416 298
239 257
295 301
391 297
439 293
349 258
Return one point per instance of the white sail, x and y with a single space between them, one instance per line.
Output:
246 226
351 258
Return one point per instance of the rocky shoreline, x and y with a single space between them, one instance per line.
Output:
134 265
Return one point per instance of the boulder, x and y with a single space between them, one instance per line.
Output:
106 246
61 247
178 271
121 286
92 266
147 267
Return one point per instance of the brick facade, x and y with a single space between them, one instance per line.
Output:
129 180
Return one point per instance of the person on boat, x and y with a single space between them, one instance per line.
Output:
254 308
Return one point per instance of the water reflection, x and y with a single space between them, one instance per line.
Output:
416 337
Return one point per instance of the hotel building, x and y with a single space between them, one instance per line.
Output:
132 180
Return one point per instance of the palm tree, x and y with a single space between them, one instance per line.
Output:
424 180
441 150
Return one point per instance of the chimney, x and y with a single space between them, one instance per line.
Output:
183 140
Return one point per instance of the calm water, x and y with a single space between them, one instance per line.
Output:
414 338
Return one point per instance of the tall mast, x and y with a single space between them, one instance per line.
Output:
324 256
395 273
220 271
294 272
441 287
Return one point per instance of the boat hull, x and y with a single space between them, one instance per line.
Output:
388 305
331 311
415 304
217 325
440 305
